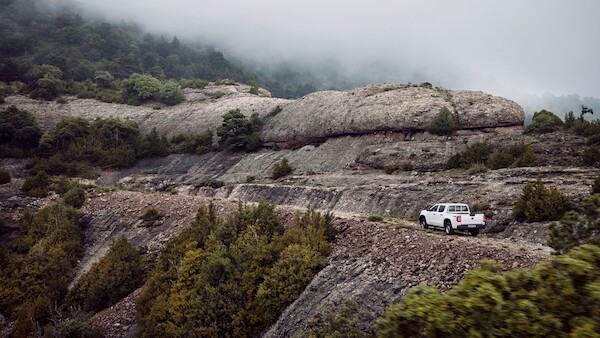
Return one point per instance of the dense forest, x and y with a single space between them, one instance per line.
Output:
32 35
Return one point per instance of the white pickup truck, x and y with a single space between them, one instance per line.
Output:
452 216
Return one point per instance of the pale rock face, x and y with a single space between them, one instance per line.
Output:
384 107
312 118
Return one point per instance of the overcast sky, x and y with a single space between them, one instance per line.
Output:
506 47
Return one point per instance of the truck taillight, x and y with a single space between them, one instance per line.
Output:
458 218
484 217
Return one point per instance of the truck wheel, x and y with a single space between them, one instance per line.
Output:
448 228
474 232
423 222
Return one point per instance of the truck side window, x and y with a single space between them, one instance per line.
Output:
451 208
464 208
442 207
433 208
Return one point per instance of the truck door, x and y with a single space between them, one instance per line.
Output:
439 216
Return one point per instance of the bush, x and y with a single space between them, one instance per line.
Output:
75 197
233 276
212 183
591 205
477 168
389 169
37 185
151 215
573 231
170 93
281 169
237 132
555 298
443 123
544 122
500 159
476 153
538 203
114 276
18 129
4 176
275 111
591 155
193 83
596 186
375 218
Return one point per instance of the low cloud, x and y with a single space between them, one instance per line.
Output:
506 47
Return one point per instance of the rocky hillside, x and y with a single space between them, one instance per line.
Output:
338 144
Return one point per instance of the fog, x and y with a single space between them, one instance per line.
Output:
514 48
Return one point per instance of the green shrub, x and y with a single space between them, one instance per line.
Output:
443 123
538 203
500 159
375 218
37 185
38 265
170 93
555 298
527 159
476 153
75 197
591 155
407 166
18 130
281 169
212 183
591 205
254 90
151 215
544 122
109 96
275 111
389 169
596 186
237 132
572 231
250 179
232 276
192 144
477 168
4 176
114 276
193 83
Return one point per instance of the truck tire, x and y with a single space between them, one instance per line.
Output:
474 232
448 227
423 222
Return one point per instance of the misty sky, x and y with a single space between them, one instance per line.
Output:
505 47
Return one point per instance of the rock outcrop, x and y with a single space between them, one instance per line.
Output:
312 118
382 107
203 109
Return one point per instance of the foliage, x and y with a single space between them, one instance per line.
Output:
544 122
151 215
572 231
475 153
591 155
281 169
538 203
375 218
170 93
114 276
75 197
19 132
596 185
275 111
232 277
37 185
153 145
193 144
443 123
237 132
46 82
556 298
4 176
38 264
212 183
